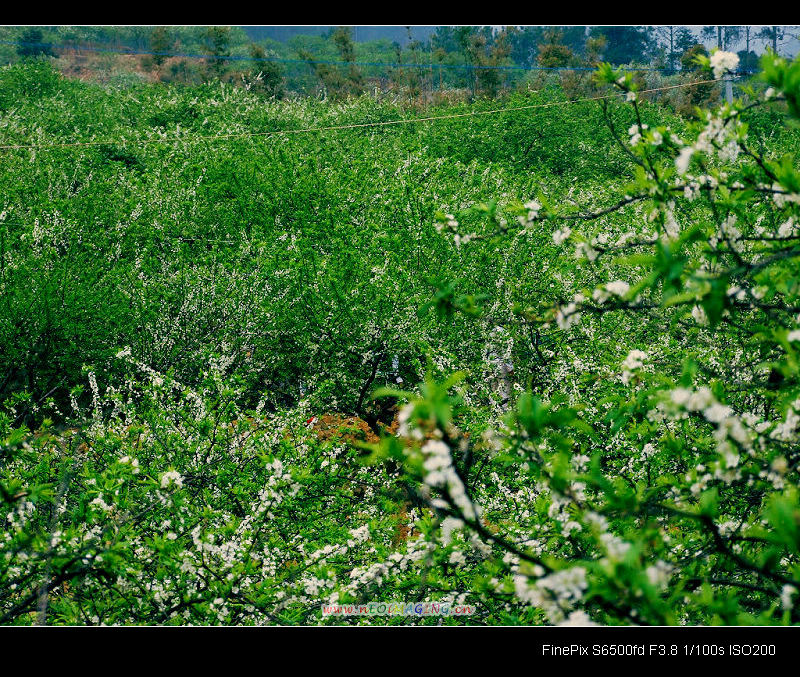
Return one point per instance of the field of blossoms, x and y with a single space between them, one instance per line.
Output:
542 364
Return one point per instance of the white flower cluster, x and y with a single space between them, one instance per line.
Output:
781 198
403 429
616 288
555 593
634 361
533 207
720 134
729 426
559 511
729 234
787 592
699 315
569 314
659 574
449 222
586 250
638 134
683 159
98 502
134 463
440 473
560 236
171 477
614 546
459 239
786 431
635 132
377 573
722 62
448 526
789 228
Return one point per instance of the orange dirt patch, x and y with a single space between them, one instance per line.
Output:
341 428
391 429
490 526
403 529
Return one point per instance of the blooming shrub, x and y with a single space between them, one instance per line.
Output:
660 454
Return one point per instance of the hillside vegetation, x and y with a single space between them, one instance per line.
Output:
542 362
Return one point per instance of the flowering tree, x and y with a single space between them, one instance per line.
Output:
658 465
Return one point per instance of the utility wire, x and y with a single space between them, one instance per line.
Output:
361 125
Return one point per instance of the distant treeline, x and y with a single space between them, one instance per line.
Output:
397 34
349 60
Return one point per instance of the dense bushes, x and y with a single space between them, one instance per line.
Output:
176 310
304 257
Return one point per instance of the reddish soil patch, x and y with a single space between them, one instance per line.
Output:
342 428
403 529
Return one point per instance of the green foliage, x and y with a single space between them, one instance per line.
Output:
587 315
33 44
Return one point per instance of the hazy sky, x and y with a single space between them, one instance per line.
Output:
788 46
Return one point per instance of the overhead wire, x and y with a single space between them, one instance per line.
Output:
327 128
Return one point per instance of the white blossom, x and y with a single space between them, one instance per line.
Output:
721 62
